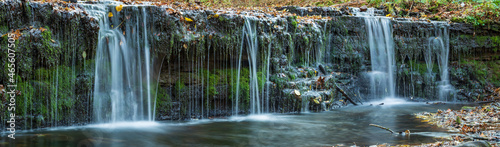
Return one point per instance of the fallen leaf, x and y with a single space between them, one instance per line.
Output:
110 14
2 89
119 8
188 19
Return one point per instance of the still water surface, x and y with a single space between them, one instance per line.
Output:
348 126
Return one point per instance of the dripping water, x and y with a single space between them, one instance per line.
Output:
382 56
119 92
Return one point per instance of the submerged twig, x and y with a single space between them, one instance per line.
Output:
378 126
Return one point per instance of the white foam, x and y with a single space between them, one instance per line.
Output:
134 124
261 117
391 101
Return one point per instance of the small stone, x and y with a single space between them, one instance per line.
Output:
363 8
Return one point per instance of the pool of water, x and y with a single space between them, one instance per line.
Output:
348 126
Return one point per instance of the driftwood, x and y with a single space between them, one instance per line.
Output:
382 128
344 94
322 70
405 133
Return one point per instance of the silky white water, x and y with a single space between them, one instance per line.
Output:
382 56
122 89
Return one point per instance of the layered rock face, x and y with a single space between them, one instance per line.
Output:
53 74
209 63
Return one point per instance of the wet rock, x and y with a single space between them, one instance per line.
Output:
322 69
283 60
363 8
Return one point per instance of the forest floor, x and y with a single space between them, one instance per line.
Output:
475 126
476 12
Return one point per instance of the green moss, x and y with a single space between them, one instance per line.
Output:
468 37
294 23
457 19
222 18
3 30
64 88
179 85
311 73
25 99
213 81
496 41
261 80
244 85
480 69
482 40
422 67
60 82
163 100
28 9
48 53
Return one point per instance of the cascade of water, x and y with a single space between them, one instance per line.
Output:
252 48
440 43
147 59
249 37
119 92
268 83
428 56
382 56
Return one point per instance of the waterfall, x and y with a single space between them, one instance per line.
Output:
250 41
382 56
439 44
122 89
252 48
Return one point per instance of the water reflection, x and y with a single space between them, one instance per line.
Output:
347 126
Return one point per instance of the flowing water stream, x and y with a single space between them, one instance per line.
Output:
125 91
346 126
121 93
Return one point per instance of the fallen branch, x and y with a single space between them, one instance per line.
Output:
382 128
344 94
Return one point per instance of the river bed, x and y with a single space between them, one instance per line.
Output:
345 126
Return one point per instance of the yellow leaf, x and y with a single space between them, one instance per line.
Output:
316 101
216 16
188 19
110 14
119 8
388 15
